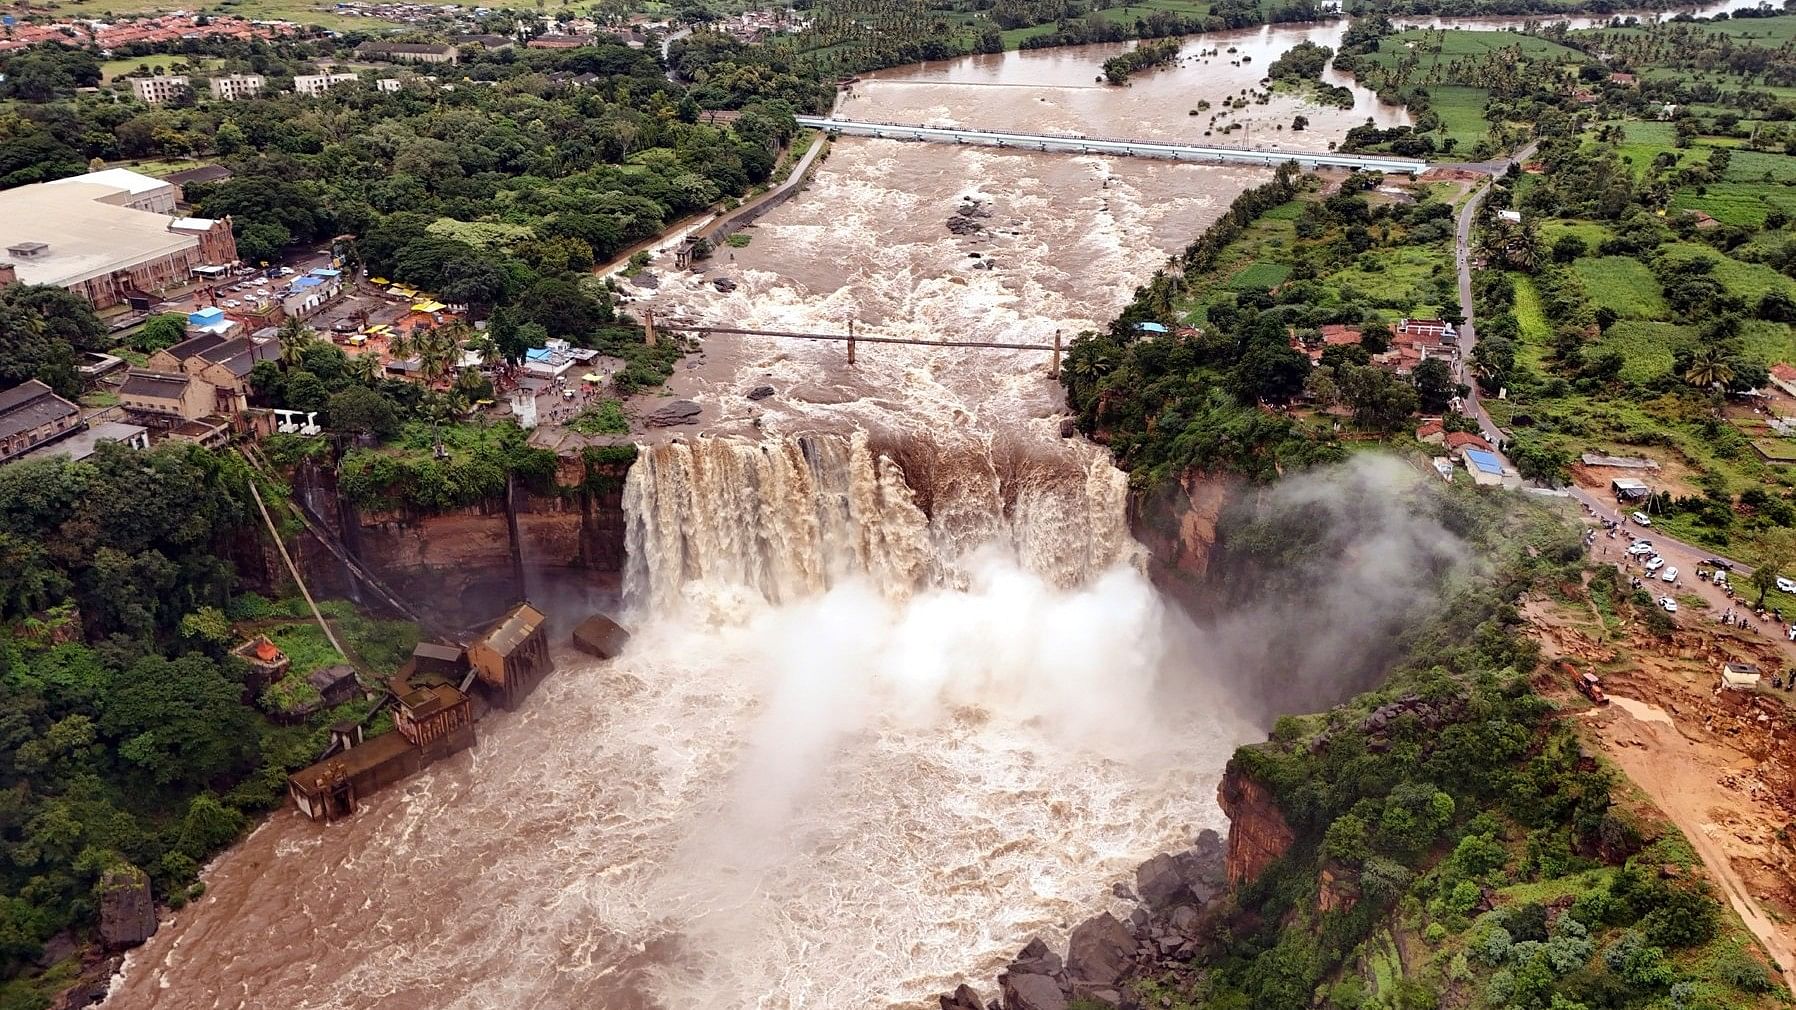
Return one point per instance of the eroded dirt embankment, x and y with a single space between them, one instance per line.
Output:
1721 764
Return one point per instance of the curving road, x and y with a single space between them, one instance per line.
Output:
1468 337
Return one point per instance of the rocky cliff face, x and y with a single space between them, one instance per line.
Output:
1258 834
459 562
1177 525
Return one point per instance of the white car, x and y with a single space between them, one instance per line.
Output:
289 271
231 303
1670 605
1642 518
1786 585
1655 564
1669 575
1640 547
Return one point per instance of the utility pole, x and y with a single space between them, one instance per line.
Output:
1054 362
851 342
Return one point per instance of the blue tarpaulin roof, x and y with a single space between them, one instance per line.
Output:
1486 461
306 282
206 316
537 354
326 272
1151 327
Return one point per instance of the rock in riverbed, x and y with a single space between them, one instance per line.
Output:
677 412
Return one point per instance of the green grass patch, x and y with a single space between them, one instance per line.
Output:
1461 110
1260 276
1537 335
604 418
1741 203
1646 347
1623 284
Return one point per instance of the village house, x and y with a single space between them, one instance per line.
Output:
1432 432
31 414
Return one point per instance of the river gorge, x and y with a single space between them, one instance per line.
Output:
901 693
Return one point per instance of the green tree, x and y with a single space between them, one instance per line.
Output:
359 410
1772 555
180 722
1434 384
162 330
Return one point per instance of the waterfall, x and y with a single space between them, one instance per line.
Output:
787 517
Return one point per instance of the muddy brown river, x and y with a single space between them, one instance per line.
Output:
847 762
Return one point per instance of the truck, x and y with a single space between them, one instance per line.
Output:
1588 684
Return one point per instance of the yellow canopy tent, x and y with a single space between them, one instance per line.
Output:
382 281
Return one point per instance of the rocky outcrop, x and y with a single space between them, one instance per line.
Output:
964 997
1032 992
1100 951
1177 524
1258 834
1193 877
127 913
1104 953
675 413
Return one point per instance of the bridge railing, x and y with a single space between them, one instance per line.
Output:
1395 162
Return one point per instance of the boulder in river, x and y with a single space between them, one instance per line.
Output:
759 393
127 914
1032 992
677 412
1100 951
1036 958
964 997
724 284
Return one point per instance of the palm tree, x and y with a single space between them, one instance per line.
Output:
363 368
1709 368
295 336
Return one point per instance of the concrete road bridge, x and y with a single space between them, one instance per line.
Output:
1067 144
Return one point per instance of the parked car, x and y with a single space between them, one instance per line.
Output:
1670 605
1655 563
231 303
1642 518
1786 585
289 271
1721 563
1639 547
1669 575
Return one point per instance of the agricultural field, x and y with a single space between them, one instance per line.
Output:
1398 279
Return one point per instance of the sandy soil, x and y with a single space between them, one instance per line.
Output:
1719 764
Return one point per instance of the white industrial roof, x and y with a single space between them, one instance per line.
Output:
194 223
118 178
86 237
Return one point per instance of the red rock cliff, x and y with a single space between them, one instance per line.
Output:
1258 834
1177 524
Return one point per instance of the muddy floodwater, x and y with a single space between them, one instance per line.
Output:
859 791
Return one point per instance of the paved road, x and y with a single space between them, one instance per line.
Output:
1468 336
1684 557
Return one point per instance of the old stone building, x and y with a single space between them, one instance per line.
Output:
31 415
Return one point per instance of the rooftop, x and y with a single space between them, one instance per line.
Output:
356 760
514 629
1484 460
118 178
163 385
86 238
82 444
205 173
30 404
